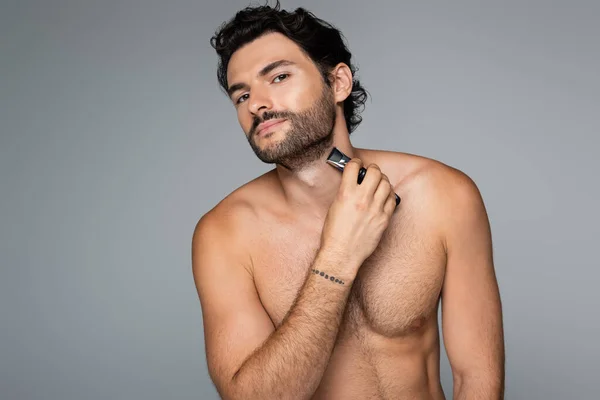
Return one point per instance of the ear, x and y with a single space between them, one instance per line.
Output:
341 82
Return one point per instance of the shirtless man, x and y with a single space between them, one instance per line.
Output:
313 286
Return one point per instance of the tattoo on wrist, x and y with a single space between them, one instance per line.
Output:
329 277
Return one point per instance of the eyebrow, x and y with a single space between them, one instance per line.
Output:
264 71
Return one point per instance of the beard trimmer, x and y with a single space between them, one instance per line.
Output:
339 160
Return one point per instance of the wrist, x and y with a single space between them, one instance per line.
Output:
339 265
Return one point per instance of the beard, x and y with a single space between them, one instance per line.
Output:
309 137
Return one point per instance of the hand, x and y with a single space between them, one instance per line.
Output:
359 215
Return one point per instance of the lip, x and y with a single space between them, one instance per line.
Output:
266 125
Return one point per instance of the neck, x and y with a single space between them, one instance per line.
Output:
310 190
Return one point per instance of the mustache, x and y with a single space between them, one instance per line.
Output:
268 115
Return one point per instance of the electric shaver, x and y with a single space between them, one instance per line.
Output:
339 160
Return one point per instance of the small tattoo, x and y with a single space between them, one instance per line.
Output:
328 277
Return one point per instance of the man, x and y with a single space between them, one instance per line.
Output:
315 286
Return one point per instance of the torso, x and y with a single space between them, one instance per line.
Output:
388 344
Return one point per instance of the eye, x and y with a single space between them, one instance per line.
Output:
282 76
242 97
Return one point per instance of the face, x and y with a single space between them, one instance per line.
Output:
283 105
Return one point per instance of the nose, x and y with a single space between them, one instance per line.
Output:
259 102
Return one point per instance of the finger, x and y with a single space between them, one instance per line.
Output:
383 192
390 204
350 173
371 180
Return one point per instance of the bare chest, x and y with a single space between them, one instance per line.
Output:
395 292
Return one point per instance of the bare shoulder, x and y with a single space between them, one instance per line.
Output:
453 199
446 182
453 191
430 176
238 208
440 192
231 221
226 218
444 197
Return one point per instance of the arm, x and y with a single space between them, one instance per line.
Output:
247 357
471 305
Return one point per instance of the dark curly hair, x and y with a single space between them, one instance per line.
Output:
320 40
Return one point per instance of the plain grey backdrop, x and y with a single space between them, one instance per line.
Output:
115 139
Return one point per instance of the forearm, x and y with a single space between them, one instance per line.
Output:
291 362
483 386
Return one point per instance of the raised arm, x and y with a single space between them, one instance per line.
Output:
247 357
471 308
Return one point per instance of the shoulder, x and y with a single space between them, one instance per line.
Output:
453 200
455 192
237 207
443 194
230 222
449 184
219 247
449 190
432 176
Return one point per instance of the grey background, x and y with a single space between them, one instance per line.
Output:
113 136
